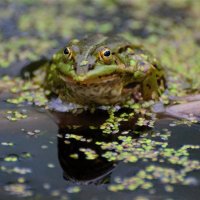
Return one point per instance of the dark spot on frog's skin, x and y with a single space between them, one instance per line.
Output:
198 41
120 50
131 85
160 80
90 67
148 86
78 83
155 65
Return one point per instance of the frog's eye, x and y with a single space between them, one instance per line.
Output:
106 55
67 51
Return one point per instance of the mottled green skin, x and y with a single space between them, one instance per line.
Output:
86 78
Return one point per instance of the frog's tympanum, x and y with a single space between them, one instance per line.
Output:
104 70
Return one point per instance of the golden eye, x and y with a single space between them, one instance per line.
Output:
106 55
67 51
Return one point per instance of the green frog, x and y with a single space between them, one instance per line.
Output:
102 70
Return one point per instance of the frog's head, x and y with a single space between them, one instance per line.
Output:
92 57
103 70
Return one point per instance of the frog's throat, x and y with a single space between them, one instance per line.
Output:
107 90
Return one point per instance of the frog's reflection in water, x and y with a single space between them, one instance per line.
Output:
76 164
79 152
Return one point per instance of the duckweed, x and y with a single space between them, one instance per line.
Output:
19 189
73 189
89 153
15 115
179 53
11 158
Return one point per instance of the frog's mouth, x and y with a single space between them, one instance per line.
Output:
99 86
98 74
104 90
92 80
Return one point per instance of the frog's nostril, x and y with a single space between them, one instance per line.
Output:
74 67
90 67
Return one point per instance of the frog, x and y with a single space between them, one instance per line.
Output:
104 70
107 70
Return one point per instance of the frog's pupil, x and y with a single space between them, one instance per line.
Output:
66 51
106 53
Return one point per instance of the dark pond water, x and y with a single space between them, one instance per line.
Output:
37 164
40 156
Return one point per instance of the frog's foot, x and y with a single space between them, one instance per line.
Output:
58 105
